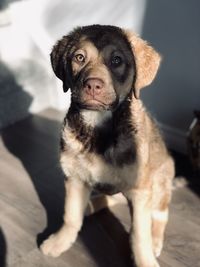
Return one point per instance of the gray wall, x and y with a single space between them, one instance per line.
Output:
173 27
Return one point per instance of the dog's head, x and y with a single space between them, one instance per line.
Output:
102 64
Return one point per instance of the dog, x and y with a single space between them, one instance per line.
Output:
109 142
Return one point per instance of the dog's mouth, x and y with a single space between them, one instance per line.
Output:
94 104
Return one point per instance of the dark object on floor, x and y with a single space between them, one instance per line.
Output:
194 142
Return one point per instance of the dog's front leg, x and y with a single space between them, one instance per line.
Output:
141 234
77 197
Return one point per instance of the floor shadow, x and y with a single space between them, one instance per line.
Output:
31 140
2 250
117 236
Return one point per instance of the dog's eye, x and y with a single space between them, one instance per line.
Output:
79 58
116 61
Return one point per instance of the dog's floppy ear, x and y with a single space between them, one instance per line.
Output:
147 61
59 62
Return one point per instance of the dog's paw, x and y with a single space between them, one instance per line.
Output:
157 247
153 264
59 242
146 263
55 245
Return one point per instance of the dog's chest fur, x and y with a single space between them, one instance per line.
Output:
99 149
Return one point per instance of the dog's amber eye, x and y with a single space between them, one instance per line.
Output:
79 58
116 61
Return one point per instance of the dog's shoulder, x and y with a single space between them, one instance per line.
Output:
150 144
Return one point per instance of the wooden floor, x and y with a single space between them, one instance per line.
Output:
31 207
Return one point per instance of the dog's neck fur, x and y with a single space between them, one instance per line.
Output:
94 118
109 134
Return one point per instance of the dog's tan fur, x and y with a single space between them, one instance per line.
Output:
147 61
146 183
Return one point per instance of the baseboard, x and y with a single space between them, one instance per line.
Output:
175 138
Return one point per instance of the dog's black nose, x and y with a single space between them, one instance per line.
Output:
93 86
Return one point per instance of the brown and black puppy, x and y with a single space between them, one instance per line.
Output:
109 142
